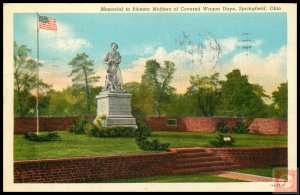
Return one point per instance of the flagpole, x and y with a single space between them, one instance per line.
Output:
37 67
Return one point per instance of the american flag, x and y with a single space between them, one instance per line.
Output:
47 23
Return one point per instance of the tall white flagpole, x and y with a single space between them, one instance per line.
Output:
37 68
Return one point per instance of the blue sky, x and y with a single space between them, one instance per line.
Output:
145 36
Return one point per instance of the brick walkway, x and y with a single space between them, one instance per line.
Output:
244 176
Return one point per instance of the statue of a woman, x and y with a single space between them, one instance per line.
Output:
114 80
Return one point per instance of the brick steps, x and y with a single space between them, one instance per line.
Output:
203 169
188 150
203 164
195 154
198 160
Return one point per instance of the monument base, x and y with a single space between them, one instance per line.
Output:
116 106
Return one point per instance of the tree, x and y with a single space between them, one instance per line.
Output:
156 82
136 103
71 101
25 81
280 98
181 105
240 98
260 92
83 74
206 92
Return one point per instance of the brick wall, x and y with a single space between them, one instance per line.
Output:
86 169
209 124
251 157
193 124
268 126
28 124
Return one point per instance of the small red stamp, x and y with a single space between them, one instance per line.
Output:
285 180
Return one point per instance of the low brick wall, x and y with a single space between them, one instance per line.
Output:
269 126
192 124
87 169
28 124
252 157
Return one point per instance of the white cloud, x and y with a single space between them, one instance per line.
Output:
140 50
228 45
70 44
148 50
65 40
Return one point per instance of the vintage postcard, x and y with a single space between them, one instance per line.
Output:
150 97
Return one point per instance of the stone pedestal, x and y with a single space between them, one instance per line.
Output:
116 106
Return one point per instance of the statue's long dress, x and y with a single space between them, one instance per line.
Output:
114 72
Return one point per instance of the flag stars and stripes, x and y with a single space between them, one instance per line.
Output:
47 23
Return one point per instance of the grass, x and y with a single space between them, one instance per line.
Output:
72 145
192 139
261 171
172 178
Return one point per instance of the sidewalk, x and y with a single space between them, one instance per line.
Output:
244 176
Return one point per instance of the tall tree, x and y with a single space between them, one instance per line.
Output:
25 81
83 74
206 91
280 98
241 98
156 81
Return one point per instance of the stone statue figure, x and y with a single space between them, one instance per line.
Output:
114 81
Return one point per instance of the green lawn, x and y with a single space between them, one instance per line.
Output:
82 145
72 145
191 139
172 178
261 171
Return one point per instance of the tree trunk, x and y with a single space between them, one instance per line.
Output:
158 103
87 92
19 99
157 108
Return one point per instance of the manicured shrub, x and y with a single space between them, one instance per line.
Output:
50 136
241 127
151 145
143 129
98 128
223 141
222 127
121 131
90 128
95 131
78 127
142 133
